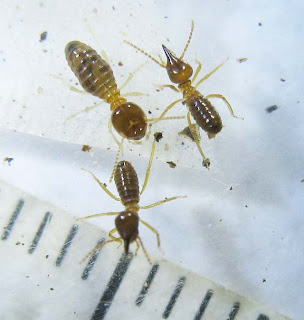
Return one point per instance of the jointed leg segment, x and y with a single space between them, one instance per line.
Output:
215 95
148 168
197 71
161 202
167 109
153 230
98 215
206 160
86 109
104 188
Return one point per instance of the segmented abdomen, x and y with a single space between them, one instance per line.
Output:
126 181
94 74
204 113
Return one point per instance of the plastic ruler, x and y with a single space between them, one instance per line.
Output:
41 247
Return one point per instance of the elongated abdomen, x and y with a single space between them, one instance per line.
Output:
204 113
126 181
94 74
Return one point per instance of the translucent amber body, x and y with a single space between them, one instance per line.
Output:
97 78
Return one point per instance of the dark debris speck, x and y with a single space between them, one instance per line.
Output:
158 136
86 148
241 60
43 36
171 164
8 160
271 108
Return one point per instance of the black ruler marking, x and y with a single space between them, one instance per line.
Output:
12 220
91 262
45 220
66 245
112 287
175 295
203 305
234 311
147 285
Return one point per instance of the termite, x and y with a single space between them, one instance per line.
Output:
199 106
127 221
96 77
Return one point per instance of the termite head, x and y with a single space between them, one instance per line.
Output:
178 70
129 121
127 226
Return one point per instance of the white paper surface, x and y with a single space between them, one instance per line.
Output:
261 158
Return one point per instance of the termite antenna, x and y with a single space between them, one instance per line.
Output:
145 53
189 39
145 251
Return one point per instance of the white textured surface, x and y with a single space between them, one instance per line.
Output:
76 298
261 157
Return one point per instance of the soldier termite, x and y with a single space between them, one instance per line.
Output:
96 77
127 221
198 105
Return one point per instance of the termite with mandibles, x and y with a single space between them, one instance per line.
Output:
127 221
199 106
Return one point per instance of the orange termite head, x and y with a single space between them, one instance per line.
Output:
178 70
127 226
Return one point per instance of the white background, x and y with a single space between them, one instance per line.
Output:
234 237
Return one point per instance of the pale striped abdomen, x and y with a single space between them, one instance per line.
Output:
94 73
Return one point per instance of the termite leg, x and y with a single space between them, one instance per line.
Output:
137 247
131 75
97 247
110 126
198 69
153 230
210 73
87 109
111 232
144 250
98 215
161 202
170 86
206 161
119 151
104 188
215 95
148 168
134 94
167 109
68 85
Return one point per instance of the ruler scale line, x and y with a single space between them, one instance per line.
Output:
12 220
112 287
204 305
91 262
147 285
47 217
66 245
175 295
234 311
